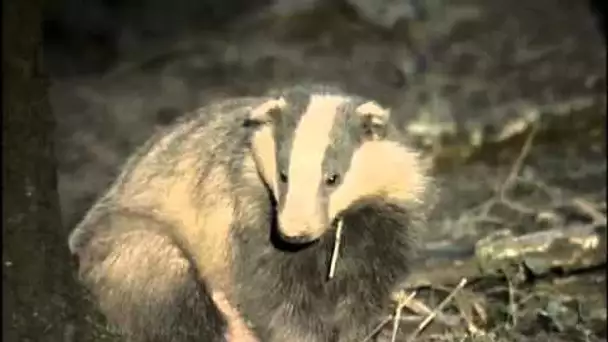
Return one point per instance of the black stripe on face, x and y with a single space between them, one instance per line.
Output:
284 131
345 138
303 215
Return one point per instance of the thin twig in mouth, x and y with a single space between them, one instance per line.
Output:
335 252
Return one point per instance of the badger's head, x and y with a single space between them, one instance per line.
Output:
321 152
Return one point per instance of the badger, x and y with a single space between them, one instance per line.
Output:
241 200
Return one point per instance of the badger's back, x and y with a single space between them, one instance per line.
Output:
185 176
182 155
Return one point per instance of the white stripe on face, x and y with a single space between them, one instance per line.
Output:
264 153
263 143
380 168
303 212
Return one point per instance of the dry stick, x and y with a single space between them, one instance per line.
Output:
504 198
440 307
598 217
516 168
473 329
396 318
420 309
377 328
467 312
583 205
512 302
402 302
525 150
481 312
401 305
334 254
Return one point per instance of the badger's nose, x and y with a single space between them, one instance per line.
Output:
297 239
299 225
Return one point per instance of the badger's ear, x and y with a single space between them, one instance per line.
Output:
265 112
374 119
263 143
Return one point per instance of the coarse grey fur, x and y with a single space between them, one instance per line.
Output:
140 237
281 289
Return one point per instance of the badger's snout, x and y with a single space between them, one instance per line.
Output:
300 226
301 239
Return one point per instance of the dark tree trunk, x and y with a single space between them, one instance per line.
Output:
41 298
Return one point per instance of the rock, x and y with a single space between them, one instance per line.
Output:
563 248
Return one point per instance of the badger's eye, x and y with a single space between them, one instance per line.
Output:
332 179
283 176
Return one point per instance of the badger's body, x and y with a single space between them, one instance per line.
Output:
242 198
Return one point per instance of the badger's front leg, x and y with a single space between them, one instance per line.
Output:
144 283
238 331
